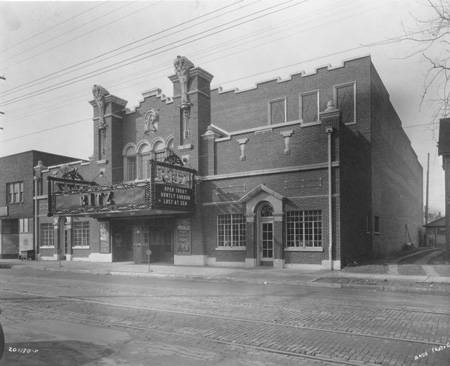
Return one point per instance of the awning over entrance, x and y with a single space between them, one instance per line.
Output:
169 190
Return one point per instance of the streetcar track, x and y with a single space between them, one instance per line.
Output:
303 355
228 318
349 306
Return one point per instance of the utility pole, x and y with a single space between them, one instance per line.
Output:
427 188
3 78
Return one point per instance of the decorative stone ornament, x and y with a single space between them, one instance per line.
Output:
242 143
151 120
99 94
182 66
287 137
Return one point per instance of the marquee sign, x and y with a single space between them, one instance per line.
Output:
170 187
173 186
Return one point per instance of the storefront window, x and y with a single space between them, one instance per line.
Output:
304 229
231 229
80 234
46 235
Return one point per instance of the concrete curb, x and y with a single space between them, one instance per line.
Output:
385 277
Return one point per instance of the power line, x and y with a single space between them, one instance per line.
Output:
236 42
90 119
134 59
89 32
21 86
55 74
38 45
53 26
47 129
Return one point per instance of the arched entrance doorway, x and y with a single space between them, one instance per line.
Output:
265 233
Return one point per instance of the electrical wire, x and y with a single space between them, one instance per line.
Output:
145 55
59 35
107 53
235 43
16 44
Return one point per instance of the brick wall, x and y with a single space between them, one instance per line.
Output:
355 190
236 111
397 177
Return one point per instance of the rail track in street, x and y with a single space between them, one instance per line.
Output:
352 348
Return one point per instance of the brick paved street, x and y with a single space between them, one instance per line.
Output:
122 321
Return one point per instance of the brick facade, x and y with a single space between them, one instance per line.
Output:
19 168
263 190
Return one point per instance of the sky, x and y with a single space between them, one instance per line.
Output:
52 53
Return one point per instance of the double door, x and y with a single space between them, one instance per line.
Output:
156 239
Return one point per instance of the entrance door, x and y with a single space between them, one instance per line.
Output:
265 233
266 241
141 242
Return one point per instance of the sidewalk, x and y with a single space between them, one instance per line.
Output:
406 278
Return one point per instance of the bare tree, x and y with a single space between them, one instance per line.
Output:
433 38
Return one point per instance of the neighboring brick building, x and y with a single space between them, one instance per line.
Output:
16 199
281 174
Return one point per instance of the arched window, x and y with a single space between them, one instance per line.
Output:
170 143
130 163
145 154
266 210
159 151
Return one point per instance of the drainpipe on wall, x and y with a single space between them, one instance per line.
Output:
36 178
35 217
329 131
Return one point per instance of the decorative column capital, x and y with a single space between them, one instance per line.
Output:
56 223
39 168
330 117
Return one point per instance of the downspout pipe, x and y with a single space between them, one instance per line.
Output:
35 217
329 131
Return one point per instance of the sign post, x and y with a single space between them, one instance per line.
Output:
149 253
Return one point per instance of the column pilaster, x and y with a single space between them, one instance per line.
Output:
278 255
250 260
68 229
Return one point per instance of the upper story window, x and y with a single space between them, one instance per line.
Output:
277 111
159 151
25 225
131 167
345 97
14 192
376 224
309 107
129 163
145 155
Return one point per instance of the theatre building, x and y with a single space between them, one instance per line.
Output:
313 171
